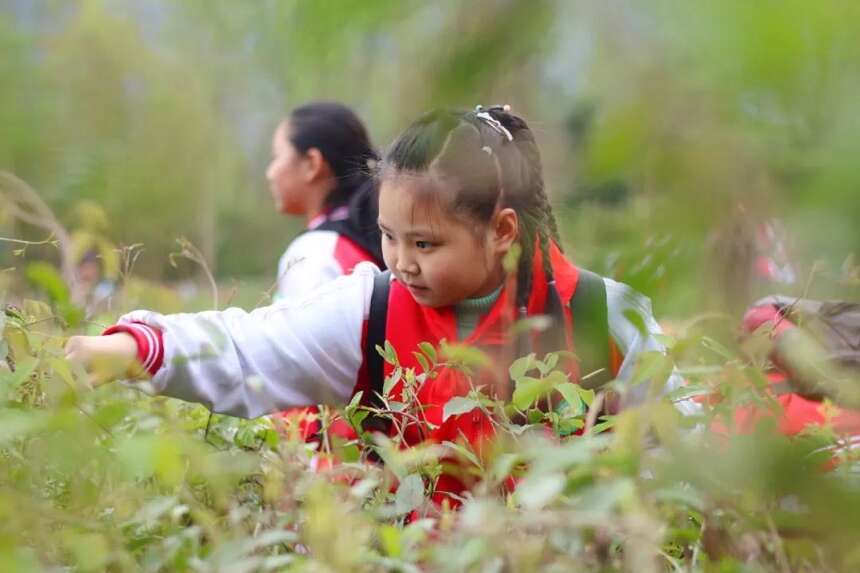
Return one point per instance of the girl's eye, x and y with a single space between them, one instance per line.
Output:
423 244
387 236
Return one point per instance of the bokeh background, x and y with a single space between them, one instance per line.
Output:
704 152
673 133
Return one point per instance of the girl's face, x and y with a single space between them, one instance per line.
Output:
440 258
287 174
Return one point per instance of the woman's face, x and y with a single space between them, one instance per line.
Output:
287 174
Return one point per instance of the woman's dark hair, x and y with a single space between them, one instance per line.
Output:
490 159
342 139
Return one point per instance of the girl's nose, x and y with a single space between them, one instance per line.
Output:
406 264
408 269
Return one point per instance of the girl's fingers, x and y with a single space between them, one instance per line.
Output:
105 358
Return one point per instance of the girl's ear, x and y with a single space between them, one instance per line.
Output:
505 229
316 167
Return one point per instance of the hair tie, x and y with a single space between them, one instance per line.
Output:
494 123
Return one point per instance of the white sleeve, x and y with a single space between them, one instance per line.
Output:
292 353
308 263
621 300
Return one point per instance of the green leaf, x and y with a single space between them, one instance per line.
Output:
685 392
665 340
636 320
37 310
410 494
70 313
465 452
521 365
536 323
528 390
458 405
24 369
62 369
465 355
607 424
354 402
715 346
567 426
556 378
390 540
536 491
395 406
16 424
650 365
586 394
389 354
429 350
356 419
511 258
422 360
91 550
44 276
390 382
570 393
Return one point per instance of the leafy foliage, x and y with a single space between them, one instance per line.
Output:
108 478
669 133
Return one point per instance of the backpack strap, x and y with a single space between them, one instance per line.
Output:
376 322
591 328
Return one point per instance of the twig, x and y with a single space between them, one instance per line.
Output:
128 255
593 412
192 253
49 240
782 315
40 215
781 557
268 294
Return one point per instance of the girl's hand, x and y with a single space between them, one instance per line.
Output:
106 358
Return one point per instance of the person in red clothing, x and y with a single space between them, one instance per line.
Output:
458 190
797 411
320 171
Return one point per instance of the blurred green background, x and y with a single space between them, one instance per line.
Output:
671 131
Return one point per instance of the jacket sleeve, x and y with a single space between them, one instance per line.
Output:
633 339
293 353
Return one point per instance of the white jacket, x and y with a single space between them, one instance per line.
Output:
309 351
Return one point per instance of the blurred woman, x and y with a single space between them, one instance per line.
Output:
320 171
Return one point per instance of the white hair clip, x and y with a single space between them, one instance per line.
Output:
487 149
493 122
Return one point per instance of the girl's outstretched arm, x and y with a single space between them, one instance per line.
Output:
293 353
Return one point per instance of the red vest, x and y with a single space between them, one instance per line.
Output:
348 254
409 323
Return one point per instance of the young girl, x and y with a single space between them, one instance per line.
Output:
457 191
319 171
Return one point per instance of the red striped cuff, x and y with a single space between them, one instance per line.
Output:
150 344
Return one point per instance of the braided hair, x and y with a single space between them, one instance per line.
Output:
491 160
